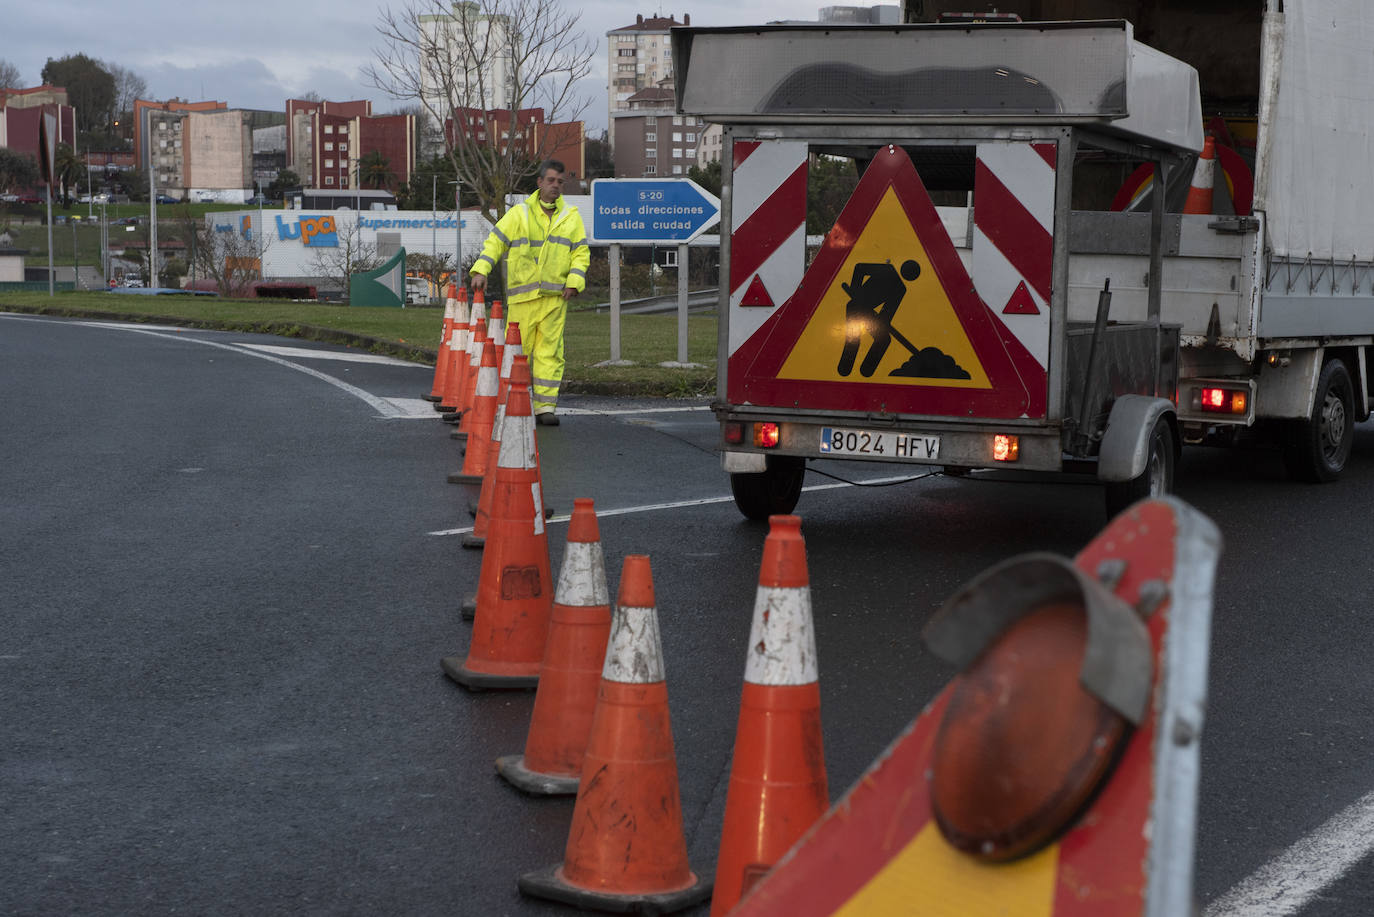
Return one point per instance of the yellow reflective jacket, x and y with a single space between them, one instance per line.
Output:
542 256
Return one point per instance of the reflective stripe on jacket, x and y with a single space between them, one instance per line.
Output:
541 256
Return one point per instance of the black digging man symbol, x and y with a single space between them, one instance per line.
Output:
875 292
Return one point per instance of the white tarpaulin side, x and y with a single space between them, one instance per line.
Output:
1320 198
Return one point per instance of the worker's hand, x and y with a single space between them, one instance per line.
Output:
479 281
568 293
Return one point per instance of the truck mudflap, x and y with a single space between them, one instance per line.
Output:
887 318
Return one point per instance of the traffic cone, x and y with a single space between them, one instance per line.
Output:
483 413
777 779
471 363
571 672
1200 191
513 370
496 328
436 392
466 319
514 591
626 849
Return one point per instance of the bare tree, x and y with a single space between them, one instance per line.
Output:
353 255
483 55
227 256
128 87
10 77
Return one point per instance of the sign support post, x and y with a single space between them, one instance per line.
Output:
682 302
614 256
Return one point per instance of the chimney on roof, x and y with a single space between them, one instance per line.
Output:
686 18
639 19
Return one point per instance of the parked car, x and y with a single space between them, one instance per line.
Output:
257 199
9 198
30 199
167 199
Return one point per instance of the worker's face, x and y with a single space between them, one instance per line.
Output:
550 186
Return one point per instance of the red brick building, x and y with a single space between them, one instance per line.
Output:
564 141
22 110
326 140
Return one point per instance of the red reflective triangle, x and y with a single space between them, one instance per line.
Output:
757 294
1021 302
1019 383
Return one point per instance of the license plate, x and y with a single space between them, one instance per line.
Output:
885 444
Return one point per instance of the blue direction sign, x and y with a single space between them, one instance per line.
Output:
648 210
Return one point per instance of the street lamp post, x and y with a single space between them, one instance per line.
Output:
457 230
262 228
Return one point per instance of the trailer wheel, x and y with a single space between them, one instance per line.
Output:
1317 449
1157 480
771 492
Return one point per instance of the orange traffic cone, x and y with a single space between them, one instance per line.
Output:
483 414
571 673
464 321
436 392
512 370
777 779
515 590
1200 191
626 848
496 327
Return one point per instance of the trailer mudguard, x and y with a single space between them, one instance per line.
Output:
1126 442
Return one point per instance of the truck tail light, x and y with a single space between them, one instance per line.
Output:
733 432
1006 447
767 435
1224 401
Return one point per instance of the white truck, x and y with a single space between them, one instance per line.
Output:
1005 288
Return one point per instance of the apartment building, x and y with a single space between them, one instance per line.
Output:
654 140
472 64
325 142
564 141
638 57
21 111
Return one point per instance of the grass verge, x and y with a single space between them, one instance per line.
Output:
413 334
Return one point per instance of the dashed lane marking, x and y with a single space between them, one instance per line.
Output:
343 356
1287 883
680 504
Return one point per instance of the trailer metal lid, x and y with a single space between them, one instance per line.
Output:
1084 72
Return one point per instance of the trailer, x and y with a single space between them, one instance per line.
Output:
1011 283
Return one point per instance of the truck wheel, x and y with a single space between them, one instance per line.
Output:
1317 449
771 492
1157 480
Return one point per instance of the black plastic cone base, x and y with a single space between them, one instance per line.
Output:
458 434
444 408
460 478
452 417
513 770
455 667
469 609
434 398
548 883
472 541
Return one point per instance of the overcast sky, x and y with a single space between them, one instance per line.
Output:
258 53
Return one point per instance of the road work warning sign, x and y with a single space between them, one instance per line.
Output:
887 318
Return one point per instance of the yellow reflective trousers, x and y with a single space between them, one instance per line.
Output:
541 338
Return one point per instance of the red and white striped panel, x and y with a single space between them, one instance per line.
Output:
1013 238
768 238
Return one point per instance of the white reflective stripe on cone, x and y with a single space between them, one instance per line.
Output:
508 360
782 641
538 508
487 382
582 579
496 426
634 655
517 442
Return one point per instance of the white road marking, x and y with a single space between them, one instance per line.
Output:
1288 882
414 409
306 354
593 412
680 504
381 406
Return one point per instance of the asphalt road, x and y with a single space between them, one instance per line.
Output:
224 603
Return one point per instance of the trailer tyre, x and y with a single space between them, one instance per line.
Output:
1157 480
1317 449
772 492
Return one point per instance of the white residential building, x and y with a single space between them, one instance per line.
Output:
638 56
